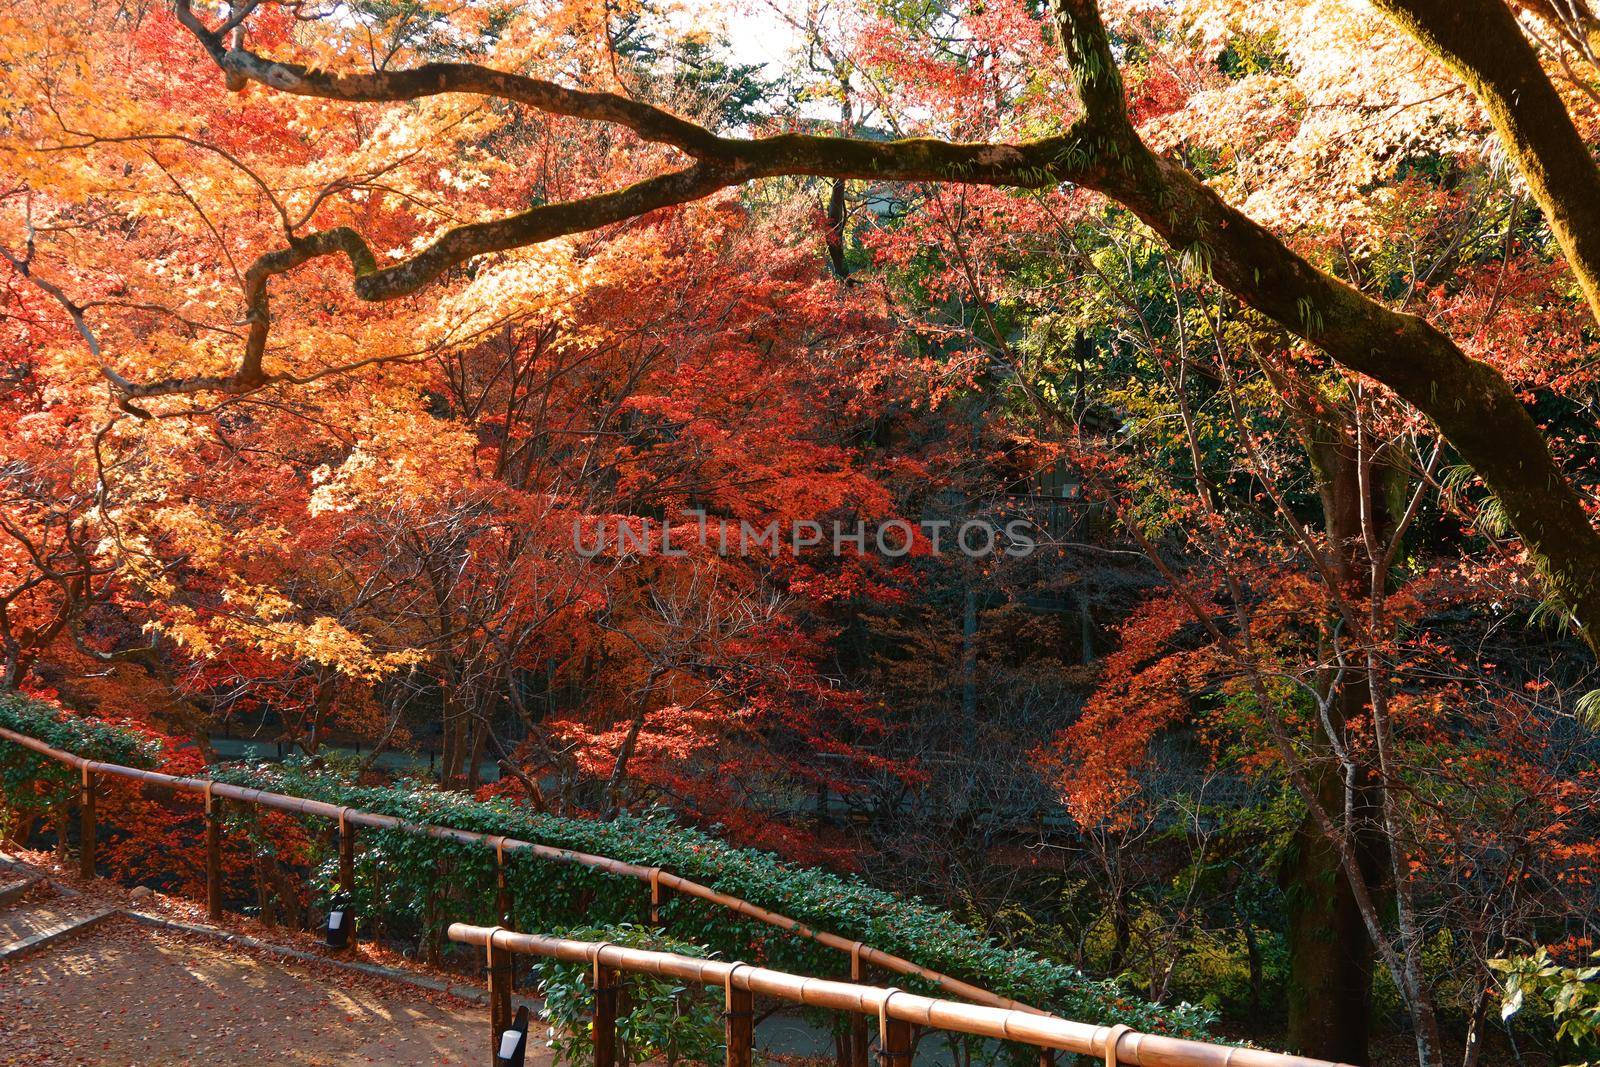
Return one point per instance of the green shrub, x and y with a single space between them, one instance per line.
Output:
657 1018
414 886
1566 998
550 896
31 784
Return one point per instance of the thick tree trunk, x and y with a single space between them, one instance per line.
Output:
1331 958
835 233
1331 954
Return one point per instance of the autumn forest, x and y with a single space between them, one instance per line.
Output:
1116 480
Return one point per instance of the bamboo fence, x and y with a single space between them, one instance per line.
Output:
661 881
987 1015
895 1010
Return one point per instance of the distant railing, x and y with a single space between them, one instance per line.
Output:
895 1010
661 882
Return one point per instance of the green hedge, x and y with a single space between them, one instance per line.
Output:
417 885
33 783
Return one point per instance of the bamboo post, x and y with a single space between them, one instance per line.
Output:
502 882
659 895
739 1020
894 1036
499 993
213 858
607 982
858 1023
503 903
86 824
347 854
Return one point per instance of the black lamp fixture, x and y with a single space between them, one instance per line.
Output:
512 1051
341 922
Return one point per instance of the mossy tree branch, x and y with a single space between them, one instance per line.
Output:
1471 403
1480 41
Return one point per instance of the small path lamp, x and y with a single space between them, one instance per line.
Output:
512 1051
341 922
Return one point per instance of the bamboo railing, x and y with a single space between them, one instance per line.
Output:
895 1010
988 1014
660 881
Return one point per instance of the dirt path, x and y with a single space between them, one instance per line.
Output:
128 994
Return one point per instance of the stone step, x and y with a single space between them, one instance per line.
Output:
28 917
27 928
14 871
12 892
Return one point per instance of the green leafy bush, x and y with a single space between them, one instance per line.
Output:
31 784
657 1018
1568 997
412 886
420 873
